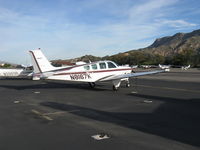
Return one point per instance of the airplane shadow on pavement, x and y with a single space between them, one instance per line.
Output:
175 119
53 85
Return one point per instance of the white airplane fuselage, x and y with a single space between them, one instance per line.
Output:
10 72
14 73
92 72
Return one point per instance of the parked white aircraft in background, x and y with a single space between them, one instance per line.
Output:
165 67
146 66
185 67
90 72
134 67
15 73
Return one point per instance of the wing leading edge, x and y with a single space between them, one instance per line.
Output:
115 77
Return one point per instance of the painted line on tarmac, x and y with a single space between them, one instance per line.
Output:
41 115
167 88
134 92
55 113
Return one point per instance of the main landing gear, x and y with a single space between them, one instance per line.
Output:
115 88
92 84
116 84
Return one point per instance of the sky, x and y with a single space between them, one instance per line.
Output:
66 29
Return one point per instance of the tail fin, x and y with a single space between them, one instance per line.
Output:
40 62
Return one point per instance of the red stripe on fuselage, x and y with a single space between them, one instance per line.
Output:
111 70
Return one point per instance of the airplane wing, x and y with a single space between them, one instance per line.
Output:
115 77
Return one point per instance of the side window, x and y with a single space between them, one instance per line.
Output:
94 66
102 65
111 65
87 67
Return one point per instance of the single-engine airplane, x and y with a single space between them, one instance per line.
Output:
10 73
185 67
90 72
165 67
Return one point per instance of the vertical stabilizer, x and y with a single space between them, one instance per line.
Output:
40 62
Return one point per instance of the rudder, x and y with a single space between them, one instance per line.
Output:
40 62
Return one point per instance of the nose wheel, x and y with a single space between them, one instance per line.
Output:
128 85
116 84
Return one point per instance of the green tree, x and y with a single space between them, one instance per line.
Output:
7 65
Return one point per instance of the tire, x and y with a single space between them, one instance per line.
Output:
115 88
128 85
92 84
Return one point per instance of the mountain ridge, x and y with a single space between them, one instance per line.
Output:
178 49
176 44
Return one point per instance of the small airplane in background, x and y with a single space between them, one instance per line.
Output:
134 66
146 66
185 67
165 67
22 72
90 72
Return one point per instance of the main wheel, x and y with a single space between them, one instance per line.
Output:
115 88
92 84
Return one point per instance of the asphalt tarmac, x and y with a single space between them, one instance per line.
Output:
158 112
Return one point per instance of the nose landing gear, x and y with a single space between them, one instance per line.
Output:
128 85
116 84
127 82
